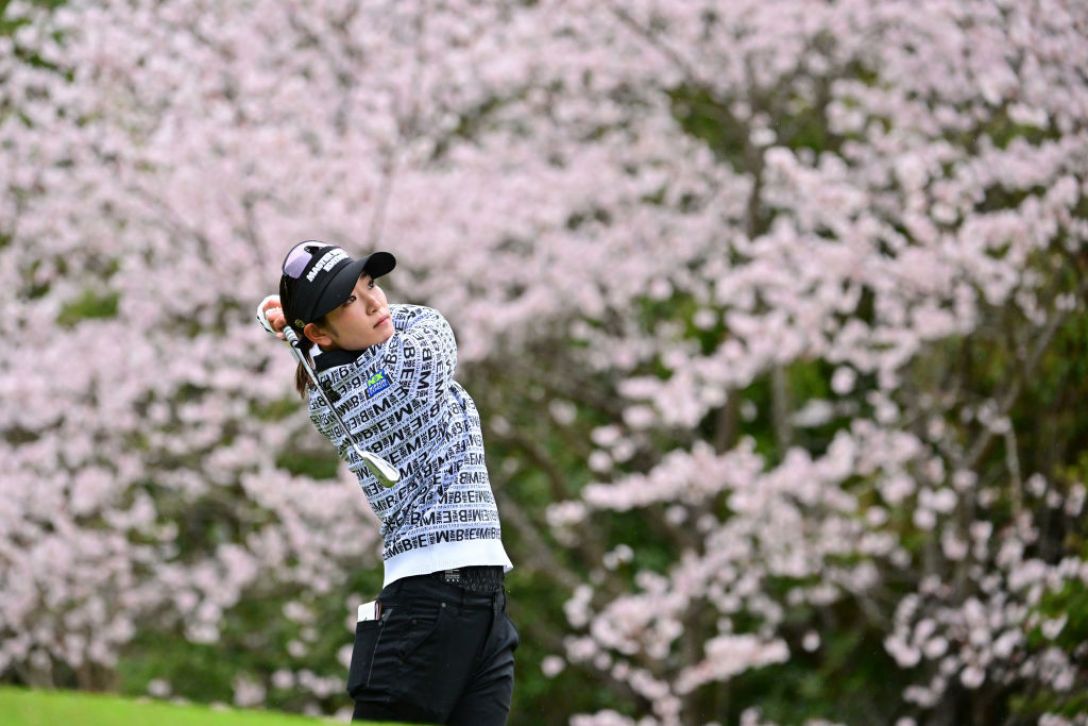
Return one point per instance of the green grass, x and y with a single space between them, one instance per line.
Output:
22 707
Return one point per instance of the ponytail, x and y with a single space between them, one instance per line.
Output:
302 381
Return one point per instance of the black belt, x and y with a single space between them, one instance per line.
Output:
474 578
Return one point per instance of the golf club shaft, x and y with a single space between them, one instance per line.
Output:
382 470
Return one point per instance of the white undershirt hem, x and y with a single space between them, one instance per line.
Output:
446 556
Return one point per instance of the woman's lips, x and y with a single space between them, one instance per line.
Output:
383 321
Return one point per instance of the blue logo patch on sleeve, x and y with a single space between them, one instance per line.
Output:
377 383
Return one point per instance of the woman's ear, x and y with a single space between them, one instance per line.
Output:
317 335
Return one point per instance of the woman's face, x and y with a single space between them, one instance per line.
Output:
359 322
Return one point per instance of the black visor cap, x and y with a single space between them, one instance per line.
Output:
344 279
308 295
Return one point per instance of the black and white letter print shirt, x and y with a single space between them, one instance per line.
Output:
400 401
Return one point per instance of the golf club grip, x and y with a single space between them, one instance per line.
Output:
292 337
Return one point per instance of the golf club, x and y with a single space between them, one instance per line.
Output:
385 472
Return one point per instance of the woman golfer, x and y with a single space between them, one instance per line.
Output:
437 645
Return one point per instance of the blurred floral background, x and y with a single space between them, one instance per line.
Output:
775 312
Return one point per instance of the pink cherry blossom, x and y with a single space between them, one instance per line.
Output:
883 181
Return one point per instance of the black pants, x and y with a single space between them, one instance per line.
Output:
437 654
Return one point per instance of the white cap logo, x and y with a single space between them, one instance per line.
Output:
328 260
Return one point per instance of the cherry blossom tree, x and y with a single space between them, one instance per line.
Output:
767 305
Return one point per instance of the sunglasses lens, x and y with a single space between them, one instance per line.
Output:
297 259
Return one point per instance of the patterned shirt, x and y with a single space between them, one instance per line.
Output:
400 402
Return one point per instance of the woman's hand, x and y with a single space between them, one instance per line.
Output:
272 310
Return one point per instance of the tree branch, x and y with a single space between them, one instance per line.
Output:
655 41
978 449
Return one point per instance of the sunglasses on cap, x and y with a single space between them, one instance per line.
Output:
300 255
